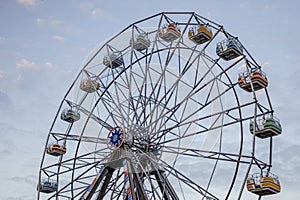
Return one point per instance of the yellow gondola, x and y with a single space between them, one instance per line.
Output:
89 86
202 34
263 184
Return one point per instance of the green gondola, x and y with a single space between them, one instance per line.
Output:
266 127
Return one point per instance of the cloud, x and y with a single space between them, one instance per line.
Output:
5 153
26 179
28 184
92 9
55 24
97 12
40 21
287 164
87 6
4 98
28 3
2 39
266 64
26 64
6 104
50 65
58 38
2 75
242 68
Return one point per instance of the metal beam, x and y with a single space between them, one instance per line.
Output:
161 186
102 191
95 184
139 185
130 177
169 186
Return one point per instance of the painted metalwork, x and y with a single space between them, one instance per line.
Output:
161 118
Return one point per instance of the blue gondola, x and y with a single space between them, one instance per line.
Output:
47 186
229 48
113 60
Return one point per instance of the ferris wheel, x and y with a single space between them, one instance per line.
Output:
172 107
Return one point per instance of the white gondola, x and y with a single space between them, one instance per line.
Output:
70 115
140 42
89 86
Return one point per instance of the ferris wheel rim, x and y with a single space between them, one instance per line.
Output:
120 74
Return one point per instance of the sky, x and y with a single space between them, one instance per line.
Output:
43 44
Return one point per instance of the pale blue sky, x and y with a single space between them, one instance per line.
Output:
43 43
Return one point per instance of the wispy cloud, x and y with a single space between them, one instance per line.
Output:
5 100
97 12
93 10
87 5
266 64
40 21
26 64
31 65
2 75
58 38
242 67
56 22
2 39
53 23
26 179
50 65
28 3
